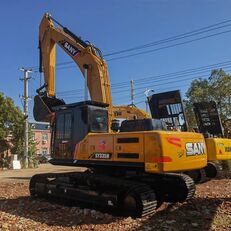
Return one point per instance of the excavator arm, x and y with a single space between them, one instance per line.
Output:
83 54
89 60
87 57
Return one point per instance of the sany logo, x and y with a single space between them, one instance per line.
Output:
175 141
70 48
102 145
193 149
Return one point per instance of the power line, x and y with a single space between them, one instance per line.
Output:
160 84
158 89
169 46
179 77
173 75
173 38
188 71
154 78
142 95
163 41
77 91
157 78
126 83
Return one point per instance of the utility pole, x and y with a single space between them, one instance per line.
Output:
132 93
25 99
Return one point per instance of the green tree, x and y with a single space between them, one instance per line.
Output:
220 91
188 106
12 125
11 119
199 91
216 88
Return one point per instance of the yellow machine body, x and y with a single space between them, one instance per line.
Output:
158 151
218 148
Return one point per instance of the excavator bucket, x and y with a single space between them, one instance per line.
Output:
43 105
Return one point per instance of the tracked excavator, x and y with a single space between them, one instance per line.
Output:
168 107
130 169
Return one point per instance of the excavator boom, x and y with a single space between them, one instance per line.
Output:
90 61
83 54
87 57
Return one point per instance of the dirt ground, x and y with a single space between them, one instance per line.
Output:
26 174
210 209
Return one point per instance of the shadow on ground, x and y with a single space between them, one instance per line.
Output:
196 214
63 213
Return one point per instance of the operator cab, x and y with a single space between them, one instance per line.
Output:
168 107
208 119
73 122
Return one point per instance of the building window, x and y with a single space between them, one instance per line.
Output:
44 151
45 137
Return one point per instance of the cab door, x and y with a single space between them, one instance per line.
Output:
63 136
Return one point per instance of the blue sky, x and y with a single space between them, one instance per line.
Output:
112 26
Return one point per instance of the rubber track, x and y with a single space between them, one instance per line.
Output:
146 200
182 187
146 195
190 185
170 187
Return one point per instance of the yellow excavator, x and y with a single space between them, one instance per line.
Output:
168 107
131 169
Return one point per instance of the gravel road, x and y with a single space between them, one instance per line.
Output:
209 210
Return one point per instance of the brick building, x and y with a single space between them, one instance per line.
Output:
42 137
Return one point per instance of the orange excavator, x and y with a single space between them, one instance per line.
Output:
168 107
130 169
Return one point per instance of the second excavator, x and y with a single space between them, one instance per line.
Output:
168 107
130 170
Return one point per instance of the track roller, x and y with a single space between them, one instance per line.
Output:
211 170
204 174
199 175
129 198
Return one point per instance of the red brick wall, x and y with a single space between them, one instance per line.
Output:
42 143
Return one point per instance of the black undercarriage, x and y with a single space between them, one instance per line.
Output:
134 195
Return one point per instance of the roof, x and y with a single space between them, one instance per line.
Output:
40 126
80 104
